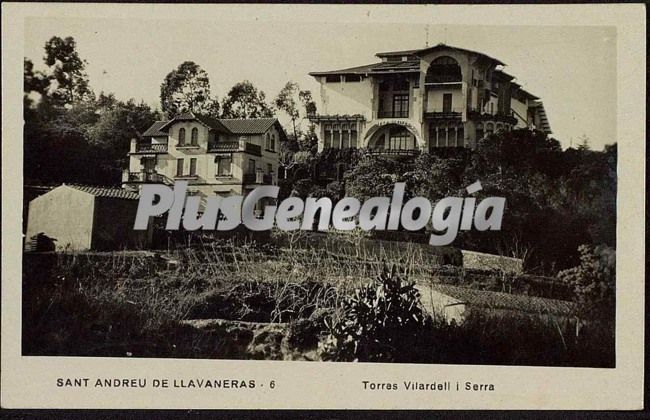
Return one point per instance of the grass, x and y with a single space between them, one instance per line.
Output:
126 304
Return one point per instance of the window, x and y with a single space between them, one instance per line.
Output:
352 78
336 137
192 166
400 106
224 165
327 136
251 166
179 166
353 135
443 70
446 102
269 169
195 137
333 78
267 140
148 164
400 139
181 137
272 142
345 139
460 136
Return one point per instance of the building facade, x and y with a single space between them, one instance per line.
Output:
418 100
215 156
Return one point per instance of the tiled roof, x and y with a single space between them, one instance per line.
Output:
213 123
233 126
155 130
435 47
527 94
352 70
502 75
539 107
248 126
508 301
409 66
110 192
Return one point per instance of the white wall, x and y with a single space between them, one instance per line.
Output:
346 98
441 305
206 181
520 108
64 214
434 99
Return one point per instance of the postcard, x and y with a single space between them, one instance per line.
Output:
323 206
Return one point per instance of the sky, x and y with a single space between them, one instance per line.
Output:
571 68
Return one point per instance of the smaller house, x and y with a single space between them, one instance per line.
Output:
456 303
81 217
216 156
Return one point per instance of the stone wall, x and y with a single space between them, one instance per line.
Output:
481 261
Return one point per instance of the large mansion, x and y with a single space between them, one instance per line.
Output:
215 155
417 100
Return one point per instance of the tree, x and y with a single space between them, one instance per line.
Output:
117 124
245 101
187 88
34 81
69 79
286 101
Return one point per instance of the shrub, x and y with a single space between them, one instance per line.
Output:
594 281
380 322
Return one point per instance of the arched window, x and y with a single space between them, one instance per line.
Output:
267 143
273 142
181 137
195 136
443 70
401 139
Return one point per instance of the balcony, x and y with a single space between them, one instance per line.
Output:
145 148
484 115
146 177
224 147
394 152
453 113
253 149
393 114
258 178
234 146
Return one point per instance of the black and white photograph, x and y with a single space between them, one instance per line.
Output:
366 192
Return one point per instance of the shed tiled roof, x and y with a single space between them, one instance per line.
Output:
155 130
507 301
110 192
248 125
